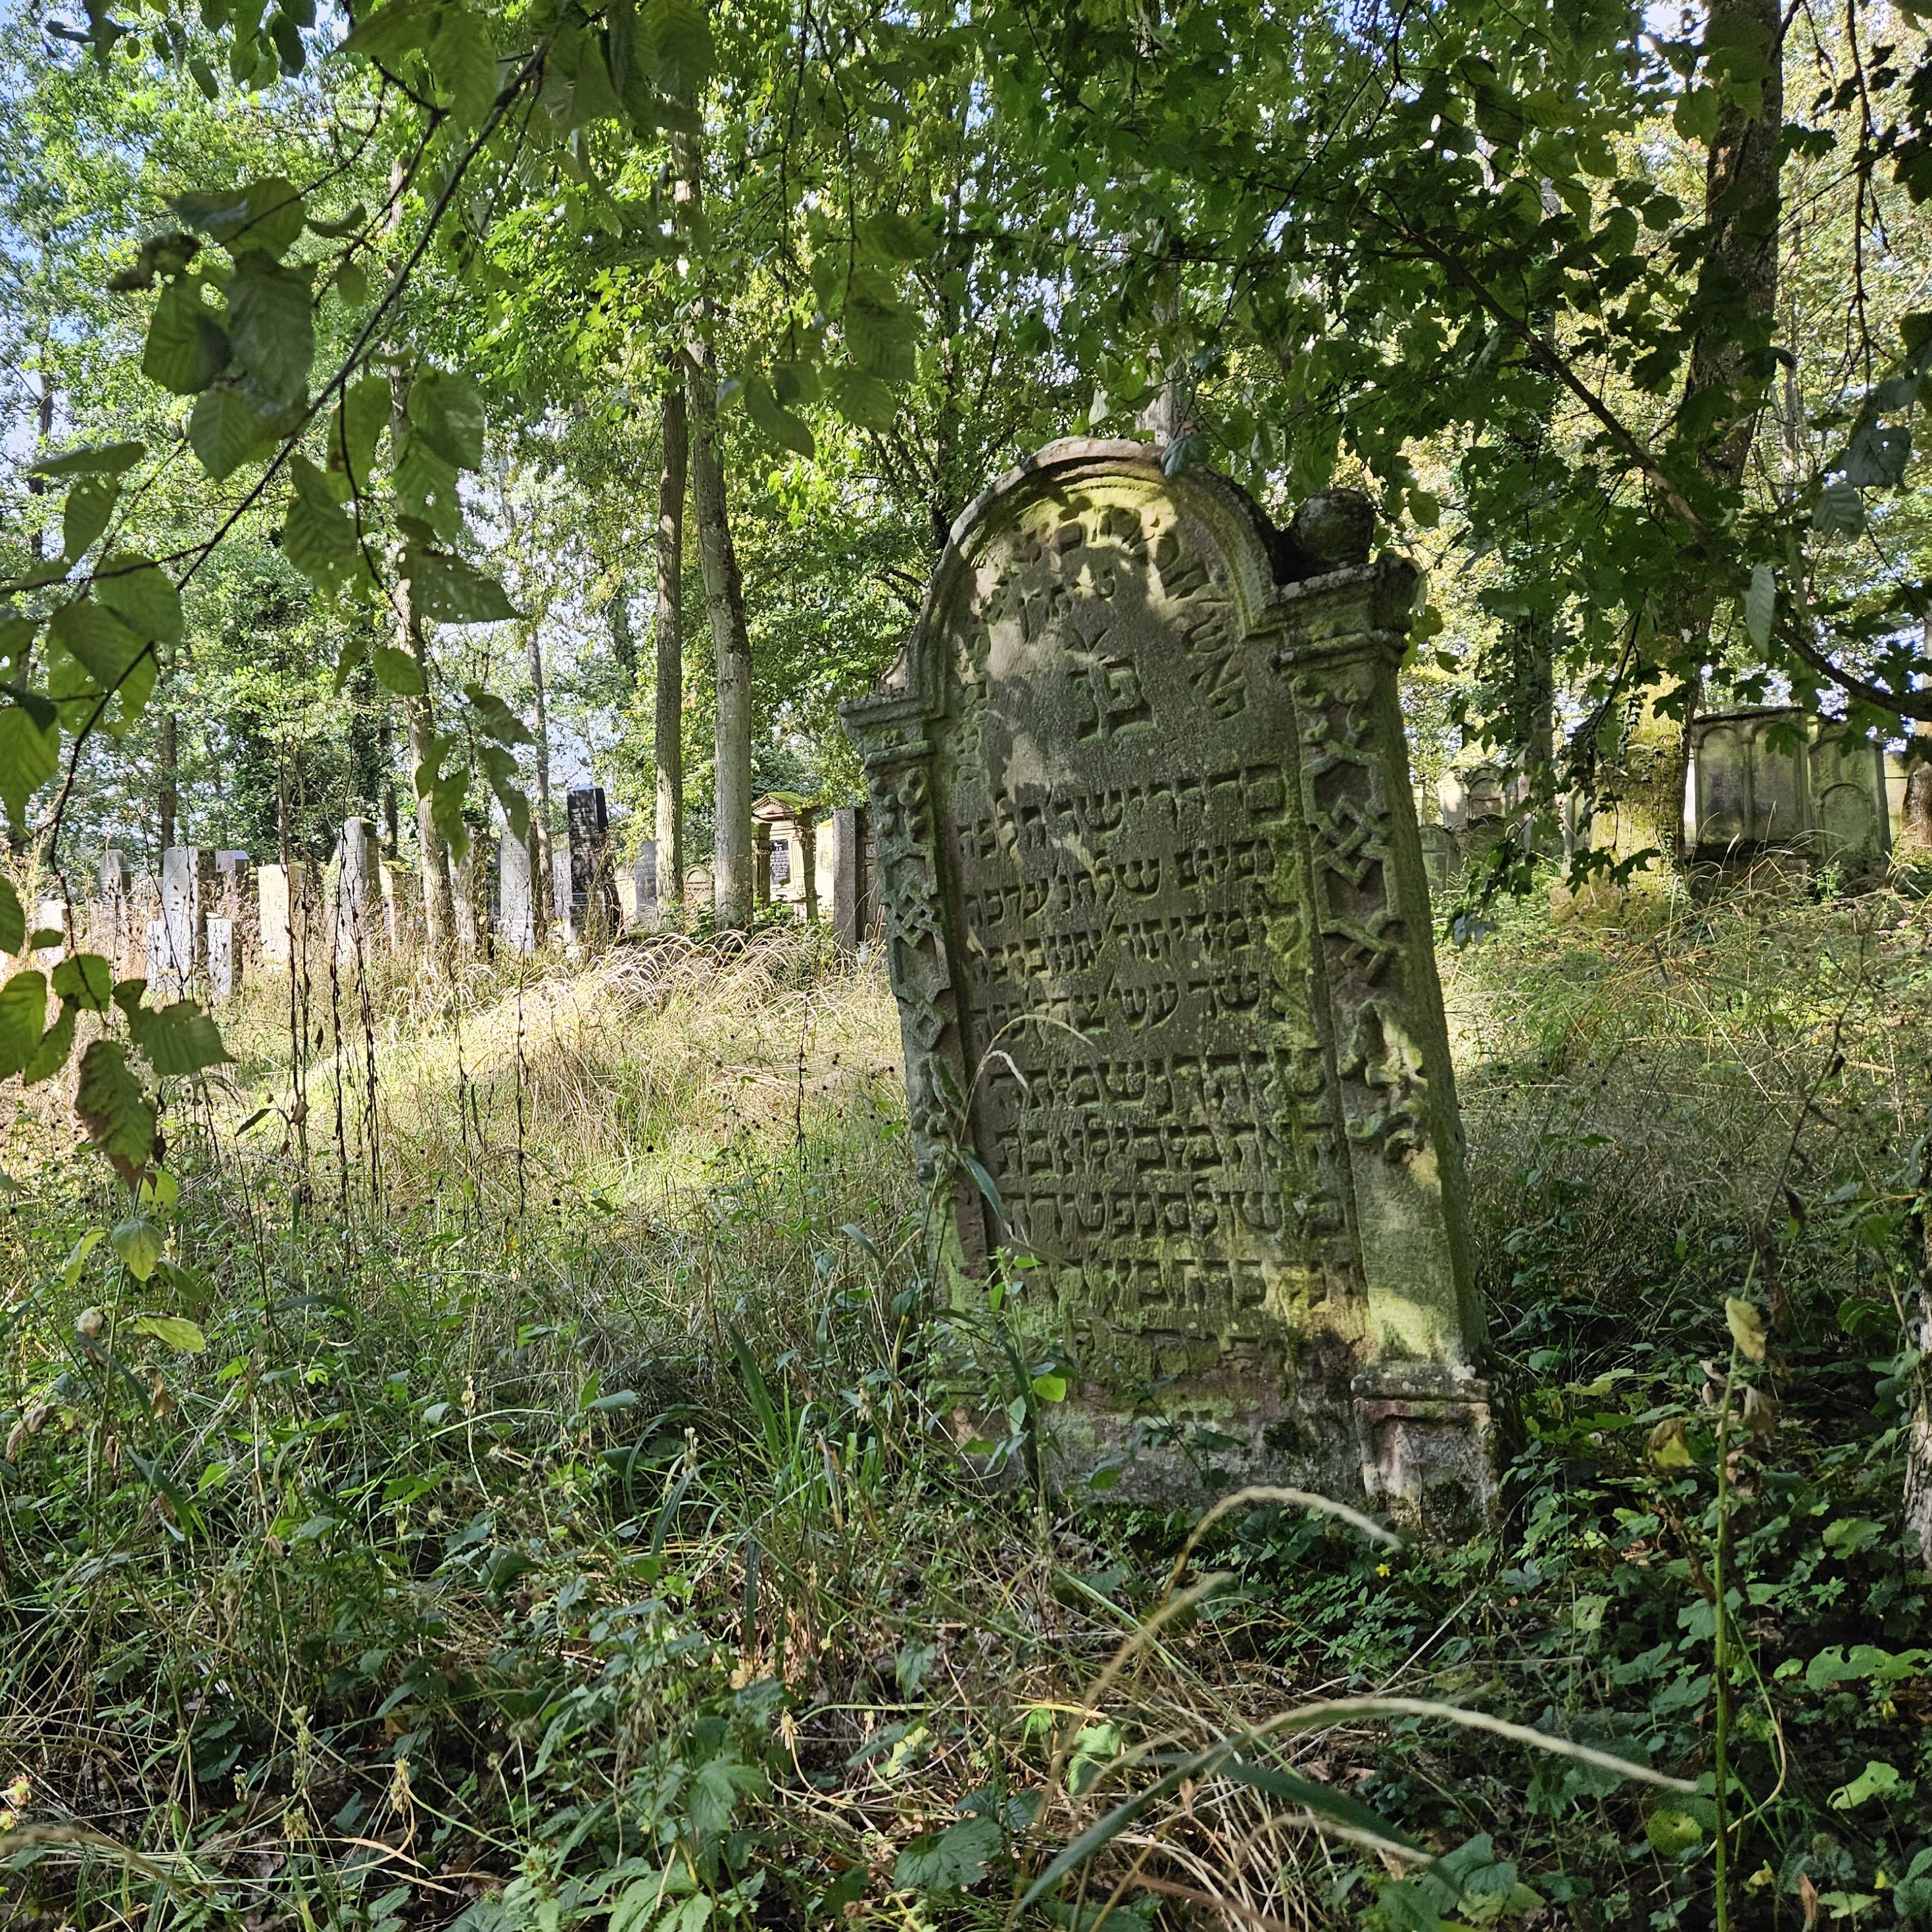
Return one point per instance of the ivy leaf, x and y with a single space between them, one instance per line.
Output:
1761 604
463 59
13 918
445 409
449 591
361 418
109 459
223 430
674 37
319 538
397 670
272 324
187 346
141 594
23 1015
140 1244
181 1038
29 756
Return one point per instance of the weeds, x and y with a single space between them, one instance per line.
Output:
536 1505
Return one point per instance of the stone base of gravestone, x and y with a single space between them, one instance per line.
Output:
1157 921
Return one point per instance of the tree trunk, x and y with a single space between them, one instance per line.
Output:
669 747
170 784
1738 277
37 486
731 644
723 588
545 882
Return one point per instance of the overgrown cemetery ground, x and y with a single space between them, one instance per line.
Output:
552 1510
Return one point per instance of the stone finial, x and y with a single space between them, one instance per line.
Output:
1330 532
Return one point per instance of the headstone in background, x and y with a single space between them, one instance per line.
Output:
357 911
1157 924
187 889
761 864
516 896
852 886
273 885
782 872
593 892
224 957
50 916
165 979
462 874
700 887
113 938
645 913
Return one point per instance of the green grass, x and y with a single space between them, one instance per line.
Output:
557 1526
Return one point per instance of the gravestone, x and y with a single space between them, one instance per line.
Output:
567 929
357 916
279 890
187 889
165 979
646 914
593 891
516 896
853 896
50 916
1776 780
761 864
112 937
224 957
1156 921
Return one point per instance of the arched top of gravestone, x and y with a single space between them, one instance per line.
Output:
1120 491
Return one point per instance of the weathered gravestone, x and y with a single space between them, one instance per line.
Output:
516 900
1156 920
645 913
112 936
187 891
358 916
282 897
593 889
225 966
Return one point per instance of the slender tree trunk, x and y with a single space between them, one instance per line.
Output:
37 486
546 878
669 733
1737 278
724 591
170 784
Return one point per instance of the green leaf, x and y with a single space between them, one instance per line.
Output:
89 505
1761 604
352 284
113 657
397 670
463 59
109 459
334 231
319 537
139 1243
425 487
674 39
287 38
29 756
948 1861
1840 512
1321 1799
401 28
879 330
1696 116
1878 1779
87 979
223 430
13 918
187 346
1878 456
449 591
897 238
863 400
175 1331
495 719
23 1014
776 423
267 214
272 325
118 1116
361 418
181 1038
141 594
204 77
445 409
56 1043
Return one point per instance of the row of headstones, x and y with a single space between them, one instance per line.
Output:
212 912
